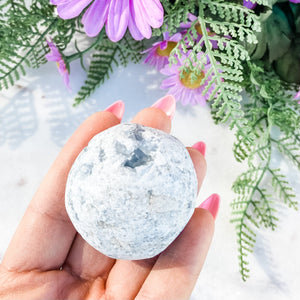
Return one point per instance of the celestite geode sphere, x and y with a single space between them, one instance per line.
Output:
131 191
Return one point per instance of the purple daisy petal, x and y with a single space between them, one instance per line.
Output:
185 25
181 96
249 4
167 70
156 44
117 19
71 9
162 62
168 83
150 52
138 14
298 94
153 48
157 58
176 37
163 45
184 91
166 36
153 12
149 59
58 2
187 97
55 55
51 57
66 80
175 92
192 17
191 97
95 17
61 67
201 100
134 30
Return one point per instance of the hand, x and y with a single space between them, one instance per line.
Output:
48 259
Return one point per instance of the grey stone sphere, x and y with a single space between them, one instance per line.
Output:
131 191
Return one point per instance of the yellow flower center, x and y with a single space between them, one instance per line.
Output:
192 83
167 51
199 30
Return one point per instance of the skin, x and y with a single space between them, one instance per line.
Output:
48 259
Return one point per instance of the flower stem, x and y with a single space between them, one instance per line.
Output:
80 54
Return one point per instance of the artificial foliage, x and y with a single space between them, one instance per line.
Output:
251 58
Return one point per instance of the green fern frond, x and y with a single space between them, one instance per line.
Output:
23 31
107 55
225 76
289 146
11 69
246 182
281 186
101 66
246 239
175 14
288 119
252 208
267 106
14 64
130 50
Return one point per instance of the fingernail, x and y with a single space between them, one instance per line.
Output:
212 204
117 109
201 147
166 104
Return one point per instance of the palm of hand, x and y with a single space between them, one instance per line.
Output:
47 259
64 284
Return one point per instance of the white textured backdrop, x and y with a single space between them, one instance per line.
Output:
36 119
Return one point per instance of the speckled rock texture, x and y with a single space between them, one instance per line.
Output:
131 191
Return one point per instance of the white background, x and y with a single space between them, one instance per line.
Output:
36 119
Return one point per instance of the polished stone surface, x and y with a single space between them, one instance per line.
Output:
131 191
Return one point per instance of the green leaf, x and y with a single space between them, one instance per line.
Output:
264 93
101 66
288 65
275 37
267 106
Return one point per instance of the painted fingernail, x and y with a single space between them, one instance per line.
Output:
201 147
117 108
212 204
167 104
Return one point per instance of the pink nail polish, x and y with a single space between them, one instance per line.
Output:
212 204
201 147
117 108
166 104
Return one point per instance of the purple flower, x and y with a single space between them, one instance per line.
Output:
295 1
55 55
249 4
138 15
184 89
158 54
187 25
